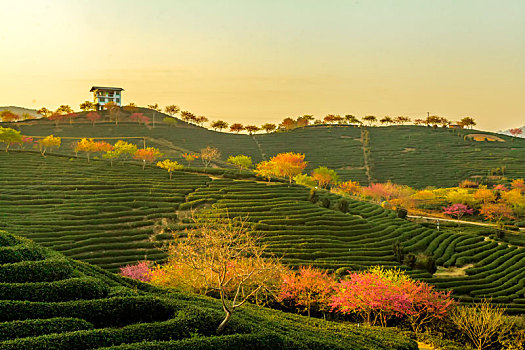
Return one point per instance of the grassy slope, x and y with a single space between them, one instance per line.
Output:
50 302
416 156
88 211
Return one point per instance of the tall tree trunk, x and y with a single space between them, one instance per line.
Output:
225 321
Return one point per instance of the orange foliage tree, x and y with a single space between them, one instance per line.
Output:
147 155
223 258
190 157
350 187
496 211
288 164
265 169
484 195
90 146
309 288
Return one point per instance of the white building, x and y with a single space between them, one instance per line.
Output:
104 94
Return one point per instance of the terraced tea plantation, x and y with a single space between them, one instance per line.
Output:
67 197
412 155
50 302
103 215
304 233
421 156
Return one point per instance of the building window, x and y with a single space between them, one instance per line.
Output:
102 99
118 100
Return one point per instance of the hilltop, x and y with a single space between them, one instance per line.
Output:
417 156
112 216
48 301
21 111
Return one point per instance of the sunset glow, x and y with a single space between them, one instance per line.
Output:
262 61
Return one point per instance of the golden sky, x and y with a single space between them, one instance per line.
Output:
261 61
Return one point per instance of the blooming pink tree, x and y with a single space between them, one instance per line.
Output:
371 296
426 305
26 140
458 210
381 294
140 271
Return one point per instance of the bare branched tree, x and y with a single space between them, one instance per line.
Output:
226 257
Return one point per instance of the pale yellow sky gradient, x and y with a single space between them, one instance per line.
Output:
262 61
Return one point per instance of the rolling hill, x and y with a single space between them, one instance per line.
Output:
412 155
112 216
48 301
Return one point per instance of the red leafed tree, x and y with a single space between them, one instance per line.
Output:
147 155
236 127
56 117
380 294
309 288
458 210
93 117
139 118
71 116
426 305
516 132
371 296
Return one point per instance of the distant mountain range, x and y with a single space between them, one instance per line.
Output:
21 111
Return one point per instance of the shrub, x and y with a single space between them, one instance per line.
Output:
35 271
402 213
13 254
482 323
101 312
70 289
342 205
325 202
33 328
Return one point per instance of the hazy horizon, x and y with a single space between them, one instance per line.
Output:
262 61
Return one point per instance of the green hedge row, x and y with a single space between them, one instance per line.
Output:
35 271
183 326
262 341
64 290
116 311
33 328
22 252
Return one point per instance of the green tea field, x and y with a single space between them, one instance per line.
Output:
411 155
115 216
